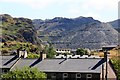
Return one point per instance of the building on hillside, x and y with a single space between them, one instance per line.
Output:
71 51
61 51
109 47
76 56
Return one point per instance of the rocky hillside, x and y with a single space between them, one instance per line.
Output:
81 32
18 29
116 24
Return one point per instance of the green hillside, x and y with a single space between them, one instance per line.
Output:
9 47
18 33
18 29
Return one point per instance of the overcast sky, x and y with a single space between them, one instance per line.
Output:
103 10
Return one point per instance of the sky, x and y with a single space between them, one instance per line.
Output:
103 10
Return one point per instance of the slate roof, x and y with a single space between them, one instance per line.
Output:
23 62
7 61
61 65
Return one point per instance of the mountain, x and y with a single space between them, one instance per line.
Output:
115 24
81 32
18 29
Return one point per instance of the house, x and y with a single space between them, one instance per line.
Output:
60 51
63 68
72 51
109 47
76 56
6 62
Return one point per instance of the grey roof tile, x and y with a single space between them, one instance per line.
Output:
22 63
5 61
61 65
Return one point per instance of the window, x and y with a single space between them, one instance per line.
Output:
65 75
78 75
89 75
5 70
53 75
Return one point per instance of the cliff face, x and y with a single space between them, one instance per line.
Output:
18 29
81 32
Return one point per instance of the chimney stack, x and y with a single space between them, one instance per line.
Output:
25 54
22 53
42 55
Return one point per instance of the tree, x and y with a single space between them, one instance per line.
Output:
49 50
116 64
32 55
26 73
81 51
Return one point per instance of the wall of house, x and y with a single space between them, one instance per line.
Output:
110 73
72 76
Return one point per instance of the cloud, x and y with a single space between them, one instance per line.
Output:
74 11
97 4
32 3
70 8
98 9
100 4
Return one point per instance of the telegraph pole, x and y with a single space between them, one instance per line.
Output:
102 71
106 59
